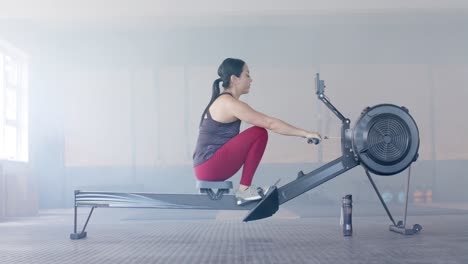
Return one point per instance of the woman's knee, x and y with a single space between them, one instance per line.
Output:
260 131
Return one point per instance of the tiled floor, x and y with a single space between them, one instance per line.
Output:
183 236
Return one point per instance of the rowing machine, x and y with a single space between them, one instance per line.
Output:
385 141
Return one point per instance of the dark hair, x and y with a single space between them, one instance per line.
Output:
228 68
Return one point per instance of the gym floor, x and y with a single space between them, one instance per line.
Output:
292 235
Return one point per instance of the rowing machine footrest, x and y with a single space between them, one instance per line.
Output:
266 207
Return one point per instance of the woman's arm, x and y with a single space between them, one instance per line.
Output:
247 114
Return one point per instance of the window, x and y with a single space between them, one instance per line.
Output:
13 103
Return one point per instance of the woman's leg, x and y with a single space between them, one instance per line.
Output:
246 149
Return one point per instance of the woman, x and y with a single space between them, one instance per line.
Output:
221 151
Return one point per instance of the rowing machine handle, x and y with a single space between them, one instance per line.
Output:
313 140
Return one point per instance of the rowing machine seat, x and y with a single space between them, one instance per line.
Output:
214 185
208 187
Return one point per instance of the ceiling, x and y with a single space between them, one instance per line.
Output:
135 11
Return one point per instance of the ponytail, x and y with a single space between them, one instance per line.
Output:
214 95
228 68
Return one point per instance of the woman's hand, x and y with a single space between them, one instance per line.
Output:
313 137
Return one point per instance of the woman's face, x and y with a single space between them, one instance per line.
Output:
243 82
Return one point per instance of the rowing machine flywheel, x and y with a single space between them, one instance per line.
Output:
386 139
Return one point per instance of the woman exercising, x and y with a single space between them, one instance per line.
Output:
221 150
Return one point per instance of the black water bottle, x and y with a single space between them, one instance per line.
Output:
346 213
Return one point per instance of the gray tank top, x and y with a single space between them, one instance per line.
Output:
212 136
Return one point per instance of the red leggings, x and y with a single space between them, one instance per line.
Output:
244 149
